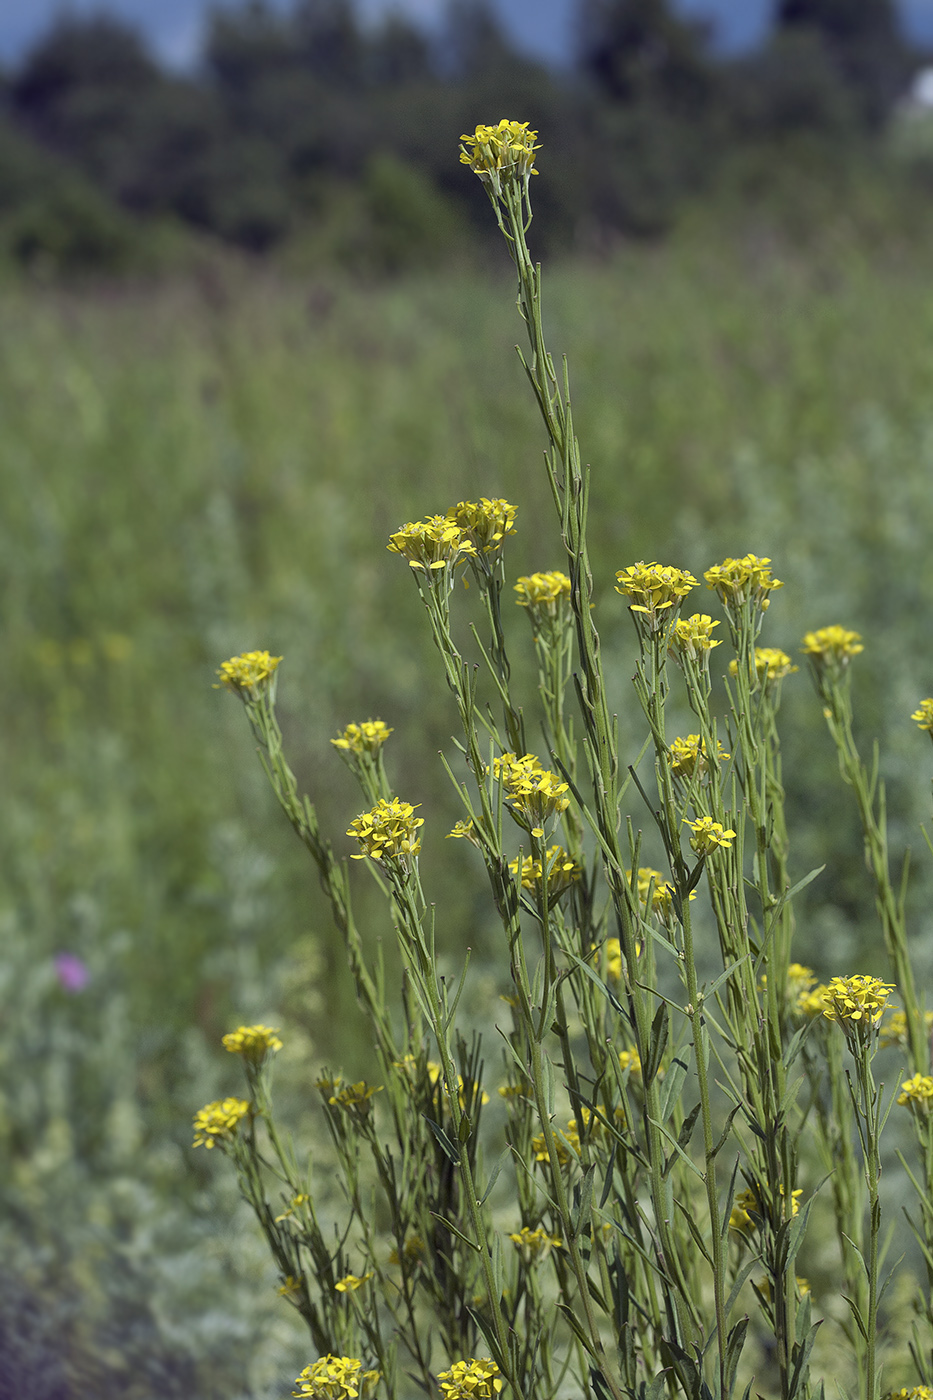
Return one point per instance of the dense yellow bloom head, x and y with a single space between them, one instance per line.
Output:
739 581
811 1002
485 522
746 1205
354 1095
432 545
562 871
924 716
542 592
388 832
367 737
917 1093
857 1003
335 1378
916 1392
254 1043
771 665
693 637
894 1029
245 674
501 155
656 591
533 793
688 756
534 1245
832 646
709 836
217 1123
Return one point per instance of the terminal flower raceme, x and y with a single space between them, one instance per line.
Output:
811 1003
388 832
245 674
335 1378
367 737
856 1003
542 592
484 522
254 1043
656 589
354 1095
738 581
471 1380
501 155
562 871
894 1029
216 1124
771 664
687 756
924 716
432 545
709 836
533 793
832 646
534 1245
693 637
917 1092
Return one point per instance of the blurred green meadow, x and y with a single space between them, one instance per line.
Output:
212 465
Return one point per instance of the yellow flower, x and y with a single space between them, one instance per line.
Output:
709 836
471 1380
501 155
351 1283
542 591
630 1060
534 1245
688 755
894 1030
656 588
917 1092
746 1205
917 1392
738 581
354 1095
254 1043
533 793
431 545
216 1123
810 1003
292 1288
856 1003
246 673
692 636
539 1147
335 1378
832 646
485 522
771 665
924 716
434 1074
296 1203
562 871
388 832
367 737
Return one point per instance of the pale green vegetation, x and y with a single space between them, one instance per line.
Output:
196 470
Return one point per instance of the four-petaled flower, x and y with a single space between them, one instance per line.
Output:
254 1043
335 1378
740 581
562 870
501 155
856 1003
352 1282
432 545
542 591
709 836
917 1092
367 737
471 1380
693 637
216 1123
657 590
485 522
533 793
688 756
245 674
388 832
832 646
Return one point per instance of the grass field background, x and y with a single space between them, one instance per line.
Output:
196 469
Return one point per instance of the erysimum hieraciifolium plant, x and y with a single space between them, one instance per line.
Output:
676 1192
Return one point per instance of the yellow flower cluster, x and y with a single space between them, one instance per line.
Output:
335 1378
542 591
832 646
434 1074
857 1002
709 836
812 1001
630 1060
292 1288
254 1043
367 737
917 1092
771 664
533 793
432 544
485 522
894 1030
216 1123
656 589
388 832
471 1380
688 755
353 1096
916 1392
247 672
501 154
539 1145
562 871
352 1282
692 636
534 1245
924 716
739 581
747 1201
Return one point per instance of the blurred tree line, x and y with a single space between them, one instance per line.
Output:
306 132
